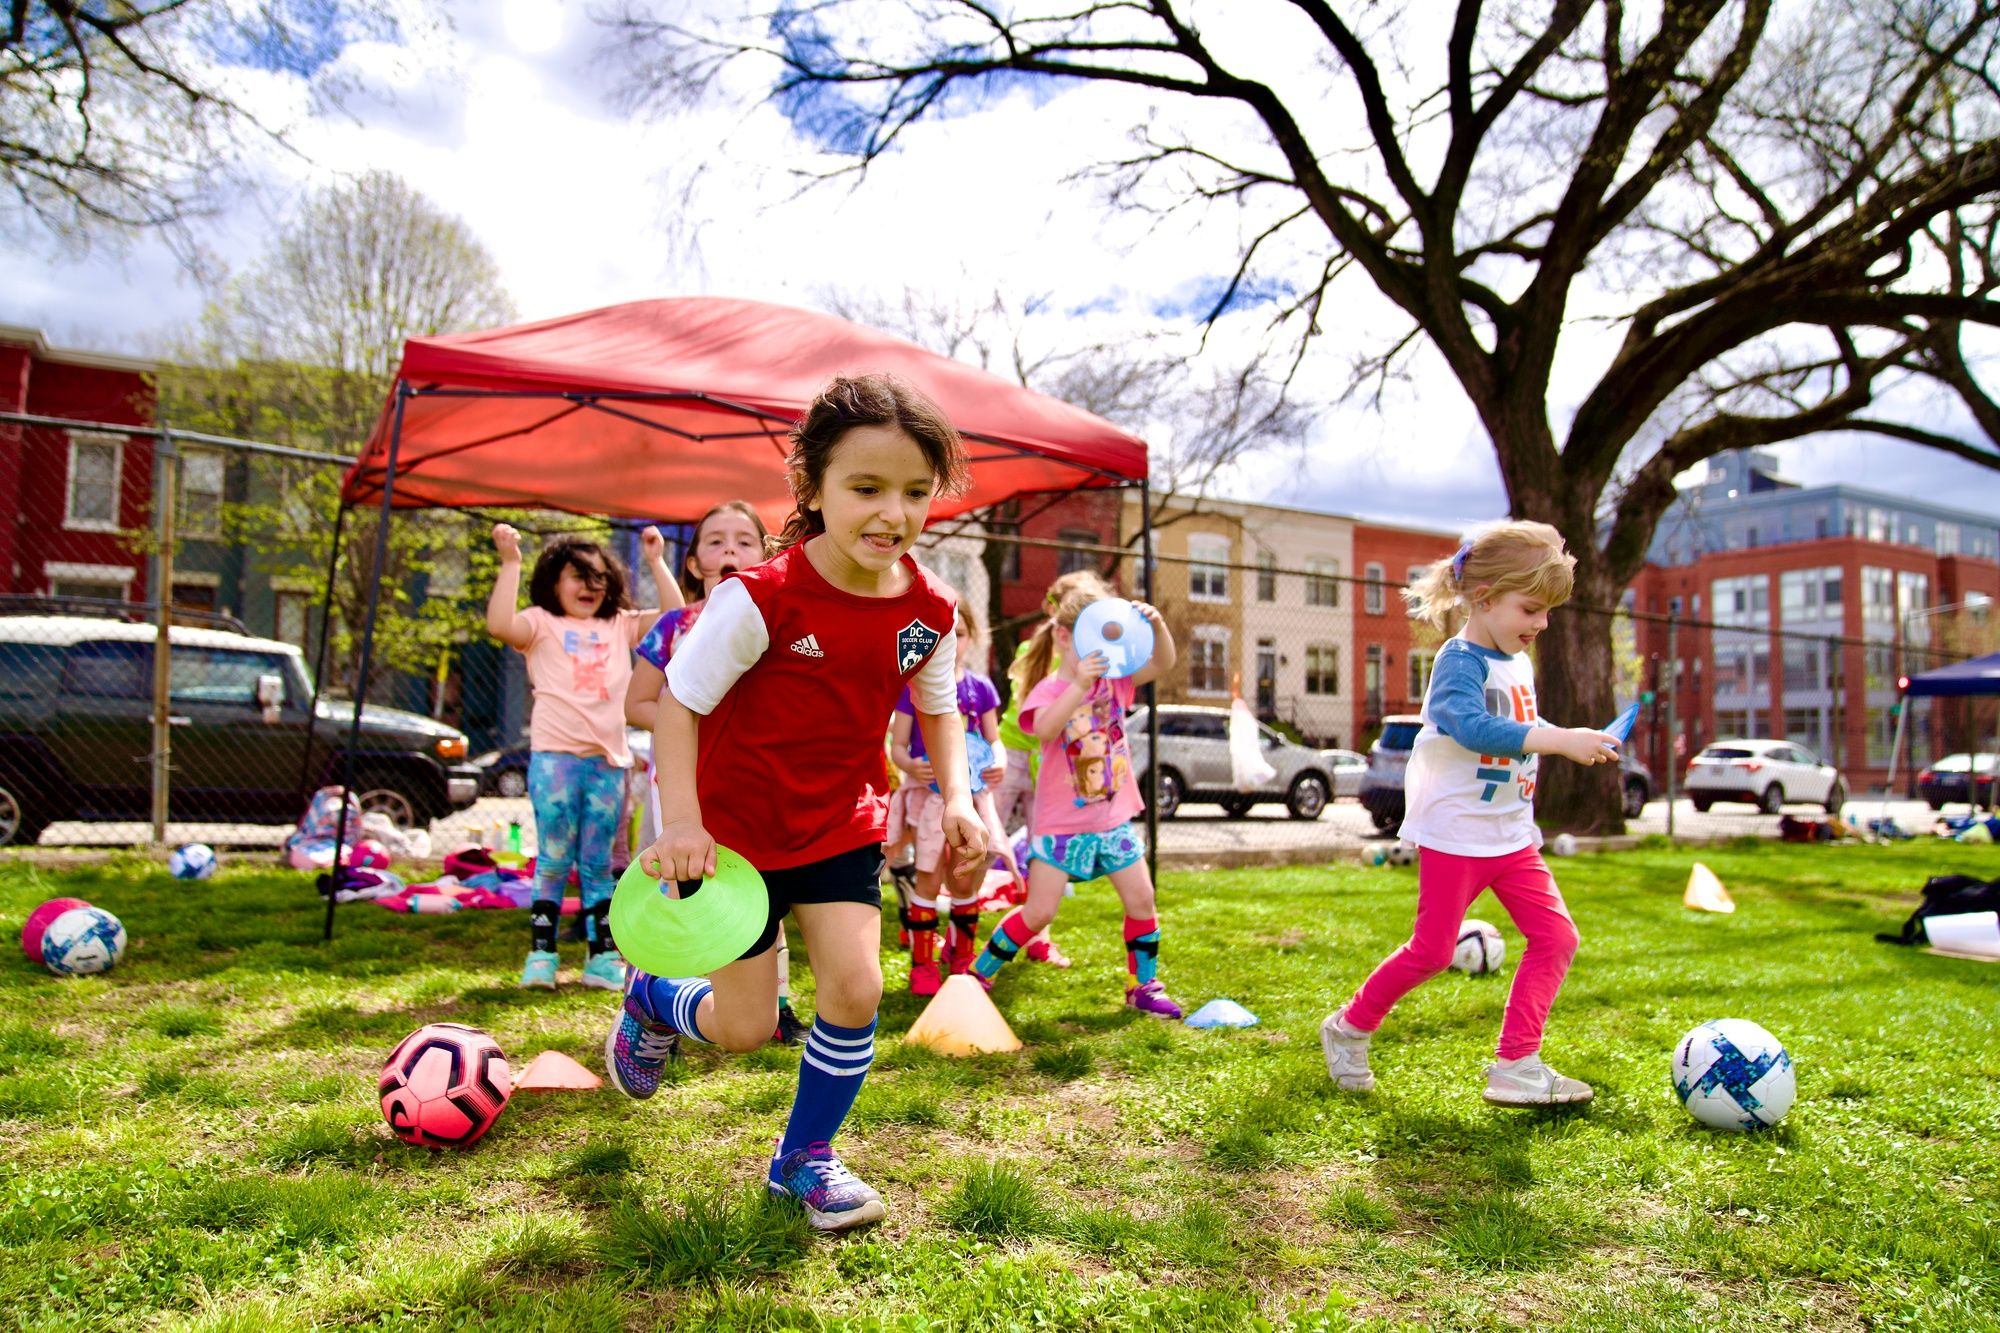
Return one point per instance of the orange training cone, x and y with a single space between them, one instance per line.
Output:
1705 892
552 1071
961 1020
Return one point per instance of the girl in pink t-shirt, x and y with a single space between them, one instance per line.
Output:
1085 793
578 638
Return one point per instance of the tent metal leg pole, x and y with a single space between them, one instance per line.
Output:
1152 695
1889 787
367 651
306 783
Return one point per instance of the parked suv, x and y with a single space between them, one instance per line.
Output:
1382 784
1194 765
1764 773
76 717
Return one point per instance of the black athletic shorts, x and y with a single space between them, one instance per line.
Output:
845 877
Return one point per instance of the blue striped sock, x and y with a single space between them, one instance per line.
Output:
673 1002
831 1071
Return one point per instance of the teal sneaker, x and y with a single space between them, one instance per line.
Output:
605 971
539 972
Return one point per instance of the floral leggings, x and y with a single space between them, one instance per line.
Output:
578 799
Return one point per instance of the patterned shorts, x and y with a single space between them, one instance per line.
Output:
1084 856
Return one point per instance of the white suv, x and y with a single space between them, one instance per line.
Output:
1765 773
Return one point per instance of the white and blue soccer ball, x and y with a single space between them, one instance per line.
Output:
1479 949
82 941
1732 1074
197 860
1403 854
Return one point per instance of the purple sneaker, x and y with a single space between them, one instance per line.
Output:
1151 998
637 1049
834 1197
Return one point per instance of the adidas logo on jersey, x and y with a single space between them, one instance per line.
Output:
808 647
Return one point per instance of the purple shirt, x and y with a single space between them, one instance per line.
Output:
976 698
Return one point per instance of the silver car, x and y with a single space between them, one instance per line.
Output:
1194 765
1347 766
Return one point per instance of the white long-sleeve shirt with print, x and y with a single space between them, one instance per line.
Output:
1470 787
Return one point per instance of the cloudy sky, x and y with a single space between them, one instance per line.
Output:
509 120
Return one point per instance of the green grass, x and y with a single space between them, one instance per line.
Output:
192 1142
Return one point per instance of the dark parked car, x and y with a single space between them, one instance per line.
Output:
76 716
1389 756
504 772
1967 779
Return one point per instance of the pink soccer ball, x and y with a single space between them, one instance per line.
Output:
37 924
368 854
444 1085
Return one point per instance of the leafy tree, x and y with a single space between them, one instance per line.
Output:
123 116
302 349
1774 220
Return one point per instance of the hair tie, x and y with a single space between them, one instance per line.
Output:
1458 562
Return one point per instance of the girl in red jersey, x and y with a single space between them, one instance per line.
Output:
769 742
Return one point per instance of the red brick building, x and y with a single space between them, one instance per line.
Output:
68 499
1083 517
1804 641
1392 662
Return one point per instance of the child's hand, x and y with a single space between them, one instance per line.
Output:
684 851
966 834
921 770
1151 612
1087 670
651 544
997 774
1585 745
508 542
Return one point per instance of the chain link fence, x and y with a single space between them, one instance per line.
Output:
99 746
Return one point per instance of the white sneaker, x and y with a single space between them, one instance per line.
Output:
1532 1083
1346 1053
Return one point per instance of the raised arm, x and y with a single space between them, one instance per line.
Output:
503 607
654 547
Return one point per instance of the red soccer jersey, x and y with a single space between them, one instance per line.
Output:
795 680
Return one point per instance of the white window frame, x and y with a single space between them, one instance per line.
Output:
187 525
1375 597
1325 653
1202 636
120 575
1208 553
117 445
1322 581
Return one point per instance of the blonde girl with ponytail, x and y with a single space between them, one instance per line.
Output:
1086 794
1469 802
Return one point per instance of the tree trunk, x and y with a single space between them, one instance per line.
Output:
1573 683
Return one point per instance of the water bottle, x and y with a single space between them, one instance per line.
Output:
514 837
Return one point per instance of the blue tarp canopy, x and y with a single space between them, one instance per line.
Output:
1981 675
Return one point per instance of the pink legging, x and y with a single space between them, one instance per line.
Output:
1446 886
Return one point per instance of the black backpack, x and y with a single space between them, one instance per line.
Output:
1948 895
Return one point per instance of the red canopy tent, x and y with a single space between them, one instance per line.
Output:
661 409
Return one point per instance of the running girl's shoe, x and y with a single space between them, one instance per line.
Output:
605 971
539 972
1045 951
1346 1053
834 1197
790 1031
1529 1082
925 979
1151 998
637 1049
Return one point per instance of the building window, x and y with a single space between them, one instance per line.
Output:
1322 582
1805 666
70 579
201 474
1322 668
1373 599
109 592
1267 577
1947 539
96 468
1371 678
1070 560
1208 660
1208 570
1742 601
1913 594
1878 594
194 596
289 617
1420 670
1739 723
1807 727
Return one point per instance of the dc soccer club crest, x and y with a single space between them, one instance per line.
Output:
914 643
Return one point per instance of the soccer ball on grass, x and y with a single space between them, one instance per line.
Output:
444 1085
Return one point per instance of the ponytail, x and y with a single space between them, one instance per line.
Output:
1067 597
